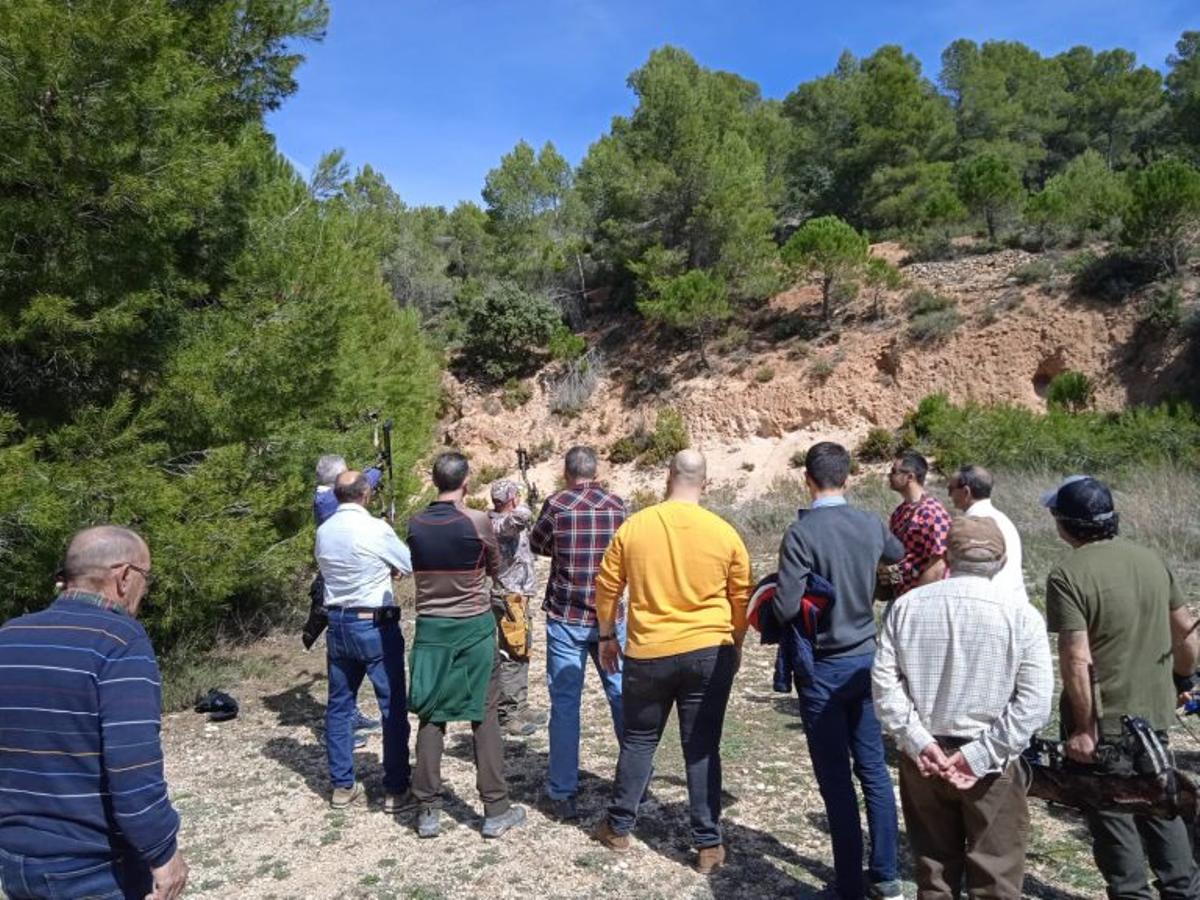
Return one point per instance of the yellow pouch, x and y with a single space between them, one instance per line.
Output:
514 627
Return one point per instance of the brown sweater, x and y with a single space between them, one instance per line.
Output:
455 556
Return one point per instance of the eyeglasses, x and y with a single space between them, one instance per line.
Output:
145 573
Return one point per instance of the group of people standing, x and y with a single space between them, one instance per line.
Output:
959 673
925 632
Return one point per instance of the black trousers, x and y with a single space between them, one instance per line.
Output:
697 684
1122 845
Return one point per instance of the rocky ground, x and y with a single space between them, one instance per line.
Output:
254 798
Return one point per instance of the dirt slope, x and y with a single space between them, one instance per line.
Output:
775 393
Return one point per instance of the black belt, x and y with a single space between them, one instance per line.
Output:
951 743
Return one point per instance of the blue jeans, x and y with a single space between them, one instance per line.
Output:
567 650
356 648
840 724
60 878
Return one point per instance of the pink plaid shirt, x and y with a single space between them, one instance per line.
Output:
922 528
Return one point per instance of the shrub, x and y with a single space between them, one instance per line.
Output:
516 394
747 467
626 449
649 448
796 461
879 445
823 367
566 345
504 328
932 327
572 390
670 435
1012 437
923 301
930 246
1070 390
1164 308
764 374
1110 278
1033 272
487 474
641 498
479 503
1163 222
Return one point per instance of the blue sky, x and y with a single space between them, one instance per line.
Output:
433 93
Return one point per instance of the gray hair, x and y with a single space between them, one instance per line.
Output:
100 548
977 480
329 467
580 463
988 569
450 470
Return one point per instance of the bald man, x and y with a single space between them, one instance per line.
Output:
84 810
688 575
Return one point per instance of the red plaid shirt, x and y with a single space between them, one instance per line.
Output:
573 529
922 528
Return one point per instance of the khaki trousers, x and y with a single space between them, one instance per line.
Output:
974 839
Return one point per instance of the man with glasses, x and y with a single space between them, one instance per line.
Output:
84 810
359 555
920 522
970 490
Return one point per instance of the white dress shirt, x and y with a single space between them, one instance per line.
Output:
357 554
1012 577
957 658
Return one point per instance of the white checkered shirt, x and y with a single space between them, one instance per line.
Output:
958 659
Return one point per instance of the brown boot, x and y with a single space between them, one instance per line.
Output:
711 859
609 838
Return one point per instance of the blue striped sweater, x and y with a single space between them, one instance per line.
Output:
81 767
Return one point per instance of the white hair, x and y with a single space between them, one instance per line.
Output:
329 467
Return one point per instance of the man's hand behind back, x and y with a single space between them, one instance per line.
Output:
170 879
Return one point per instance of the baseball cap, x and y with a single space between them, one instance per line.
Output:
975 539
504 490
1080 498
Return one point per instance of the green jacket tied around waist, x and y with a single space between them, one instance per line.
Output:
451 663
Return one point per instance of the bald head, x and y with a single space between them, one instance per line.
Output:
111 561
93 552
688 467
352 487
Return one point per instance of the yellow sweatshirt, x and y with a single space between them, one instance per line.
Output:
688 574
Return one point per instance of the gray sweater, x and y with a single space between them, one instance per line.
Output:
844 545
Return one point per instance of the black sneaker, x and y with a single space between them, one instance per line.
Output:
495 826
565 810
